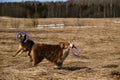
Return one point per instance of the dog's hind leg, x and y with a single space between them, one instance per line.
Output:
36 58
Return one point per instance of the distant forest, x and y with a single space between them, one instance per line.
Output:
68 9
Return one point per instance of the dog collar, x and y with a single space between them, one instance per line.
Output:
21 33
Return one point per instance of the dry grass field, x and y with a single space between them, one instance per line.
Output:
99 46
7 22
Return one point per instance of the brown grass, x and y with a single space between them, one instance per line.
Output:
99 58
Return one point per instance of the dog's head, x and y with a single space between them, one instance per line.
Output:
66 45
22 37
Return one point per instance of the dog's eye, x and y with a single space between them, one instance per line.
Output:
19 36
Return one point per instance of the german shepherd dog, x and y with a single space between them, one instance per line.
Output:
38 51
24 47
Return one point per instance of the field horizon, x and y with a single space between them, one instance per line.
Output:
9 22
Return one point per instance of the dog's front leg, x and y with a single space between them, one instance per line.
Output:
17 52
65 54
21 52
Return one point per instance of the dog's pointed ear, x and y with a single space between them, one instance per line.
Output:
20 35
64 45
24 35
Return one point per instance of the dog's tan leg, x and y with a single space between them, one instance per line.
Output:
21 52
17 52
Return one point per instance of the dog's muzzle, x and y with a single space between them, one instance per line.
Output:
72 45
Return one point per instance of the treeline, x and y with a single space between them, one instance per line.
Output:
71 8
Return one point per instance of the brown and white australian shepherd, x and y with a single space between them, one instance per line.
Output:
54 53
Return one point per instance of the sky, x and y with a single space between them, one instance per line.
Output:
29 0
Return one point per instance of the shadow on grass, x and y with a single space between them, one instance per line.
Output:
73 68
115 74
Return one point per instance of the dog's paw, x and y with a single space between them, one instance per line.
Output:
57 67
